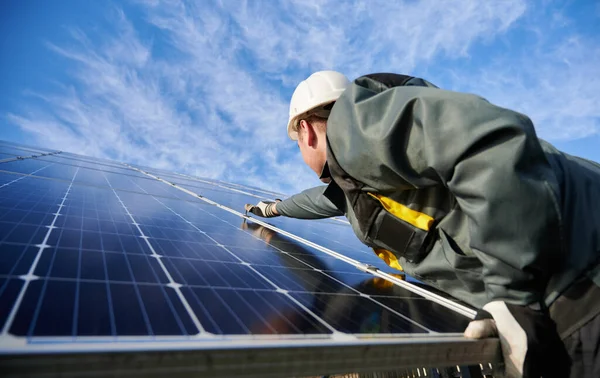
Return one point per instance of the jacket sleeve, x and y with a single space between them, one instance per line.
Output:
309 204
488 157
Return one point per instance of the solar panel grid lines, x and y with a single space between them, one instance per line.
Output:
87 175
95 160
286 291
96 256
17 150
247 190
237 190
264 224
172 284
200 186
274 285
333 278
25 176
192 184
77 243
311 267
159 190
269 192
30 276
191 180
28 157
451 304
95 165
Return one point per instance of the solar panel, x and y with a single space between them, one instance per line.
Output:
102 260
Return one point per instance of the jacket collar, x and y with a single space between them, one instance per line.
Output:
336 195
325 172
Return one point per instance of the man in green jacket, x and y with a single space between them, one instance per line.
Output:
462 195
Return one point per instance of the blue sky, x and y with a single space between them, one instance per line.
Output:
202 87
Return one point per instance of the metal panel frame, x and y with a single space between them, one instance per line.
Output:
252 360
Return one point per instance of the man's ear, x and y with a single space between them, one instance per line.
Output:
311 134
302 125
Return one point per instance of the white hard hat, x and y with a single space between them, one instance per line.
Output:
319 89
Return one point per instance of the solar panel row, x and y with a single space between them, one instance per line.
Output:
95 250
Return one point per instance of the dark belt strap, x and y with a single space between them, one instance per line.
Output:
575 307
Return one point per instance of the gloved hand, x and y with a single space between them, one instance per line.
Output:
530 343
263 209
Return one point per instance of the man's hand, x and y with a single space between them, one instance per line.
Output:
265 209
530 343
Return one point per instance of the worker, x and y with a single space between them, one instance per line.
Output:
462 195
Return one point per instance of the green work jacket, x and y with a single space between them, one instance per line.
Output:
515 219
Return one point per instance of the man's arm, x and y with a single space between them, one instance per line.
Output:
309 204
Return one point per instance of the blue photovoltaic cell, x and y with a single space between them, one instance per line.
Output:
94 177
426 313
9 291
245 187
204 186
352 313
250 312
85 163
90 248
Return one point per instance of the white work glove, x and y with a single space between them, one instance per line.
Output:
263 209
530 343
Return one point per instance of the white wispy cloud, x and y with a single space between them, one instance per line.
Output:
206 91
555 82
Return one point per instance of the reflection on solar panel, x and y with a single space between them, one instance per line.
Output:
107 268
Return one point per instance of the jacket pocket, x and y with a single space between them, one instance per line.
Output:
451 271
409 239
468 269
